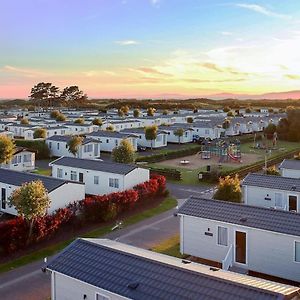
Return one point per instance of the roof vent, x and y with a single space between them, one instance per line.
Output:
133 286
185 261
243 219
294 188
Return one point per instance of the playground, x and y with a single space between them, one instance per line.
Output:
195 161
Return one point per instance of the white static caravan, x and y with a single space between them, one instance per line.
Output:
58 146
256 239
290 168
272 191
160 141
187 136
61 192
81 272
23 160
112 139
99 177
207 129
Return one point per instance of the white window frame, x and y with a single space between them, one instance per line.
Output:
218 236
281 195
72 174
103 297
59 172
114 183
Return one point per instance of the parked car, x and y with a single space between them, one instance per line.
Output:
141 148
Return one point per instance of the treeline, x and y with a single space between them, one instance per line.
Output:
45 94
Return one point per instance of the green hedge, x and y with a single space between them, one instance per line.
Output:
169 155
39 147
168 173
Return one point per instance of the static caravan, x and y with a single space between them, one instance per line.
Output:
272 191
111 139
255 239
58 146
61 192
290 168
160 141
103 269
23 160
100 177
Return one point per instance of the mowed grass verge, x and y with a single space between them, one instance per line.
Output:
169 247
164 206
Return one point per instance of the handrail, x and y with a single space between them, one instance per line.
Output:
227 261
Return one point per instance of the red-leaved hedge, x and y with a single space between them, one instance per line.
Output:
14 233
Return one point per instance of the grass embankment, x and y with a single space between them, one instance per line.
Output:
164 206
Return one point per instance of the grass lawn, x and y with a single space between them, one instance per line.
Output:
166 205
282 146
40 171
189 177
170 247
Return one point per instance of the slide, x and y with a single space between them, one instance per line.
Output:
233 157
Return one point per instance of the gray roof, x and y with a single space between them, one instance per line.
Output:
67 138
18 178
138 131
236 213
96 165
134 276
293 164
108 133
272 182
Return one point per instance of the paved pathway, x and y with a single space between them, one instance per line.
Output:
29 283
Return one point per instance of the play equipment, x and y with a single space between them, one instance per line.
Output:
225 150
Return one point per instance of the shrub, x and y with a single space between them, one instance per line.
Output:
229 189
272 171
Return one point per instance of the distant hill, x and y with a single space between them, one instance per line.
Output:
268 96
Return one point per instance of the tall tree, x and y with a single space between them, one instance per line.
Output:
31 201
151 133
124 153
7 149
74 143
73 96
44 93
179 133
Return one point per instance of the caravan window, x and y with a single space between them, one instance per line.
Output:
222 236
278 200
297 251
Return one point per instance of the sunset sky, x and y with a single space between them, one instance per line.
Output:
148 48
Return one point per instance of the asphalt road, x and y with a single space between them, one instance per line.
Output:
29 283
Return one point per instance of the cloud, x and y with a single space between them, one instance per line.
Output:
262 10
292 76
24 71
150 71
195 80
127 42
214 67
